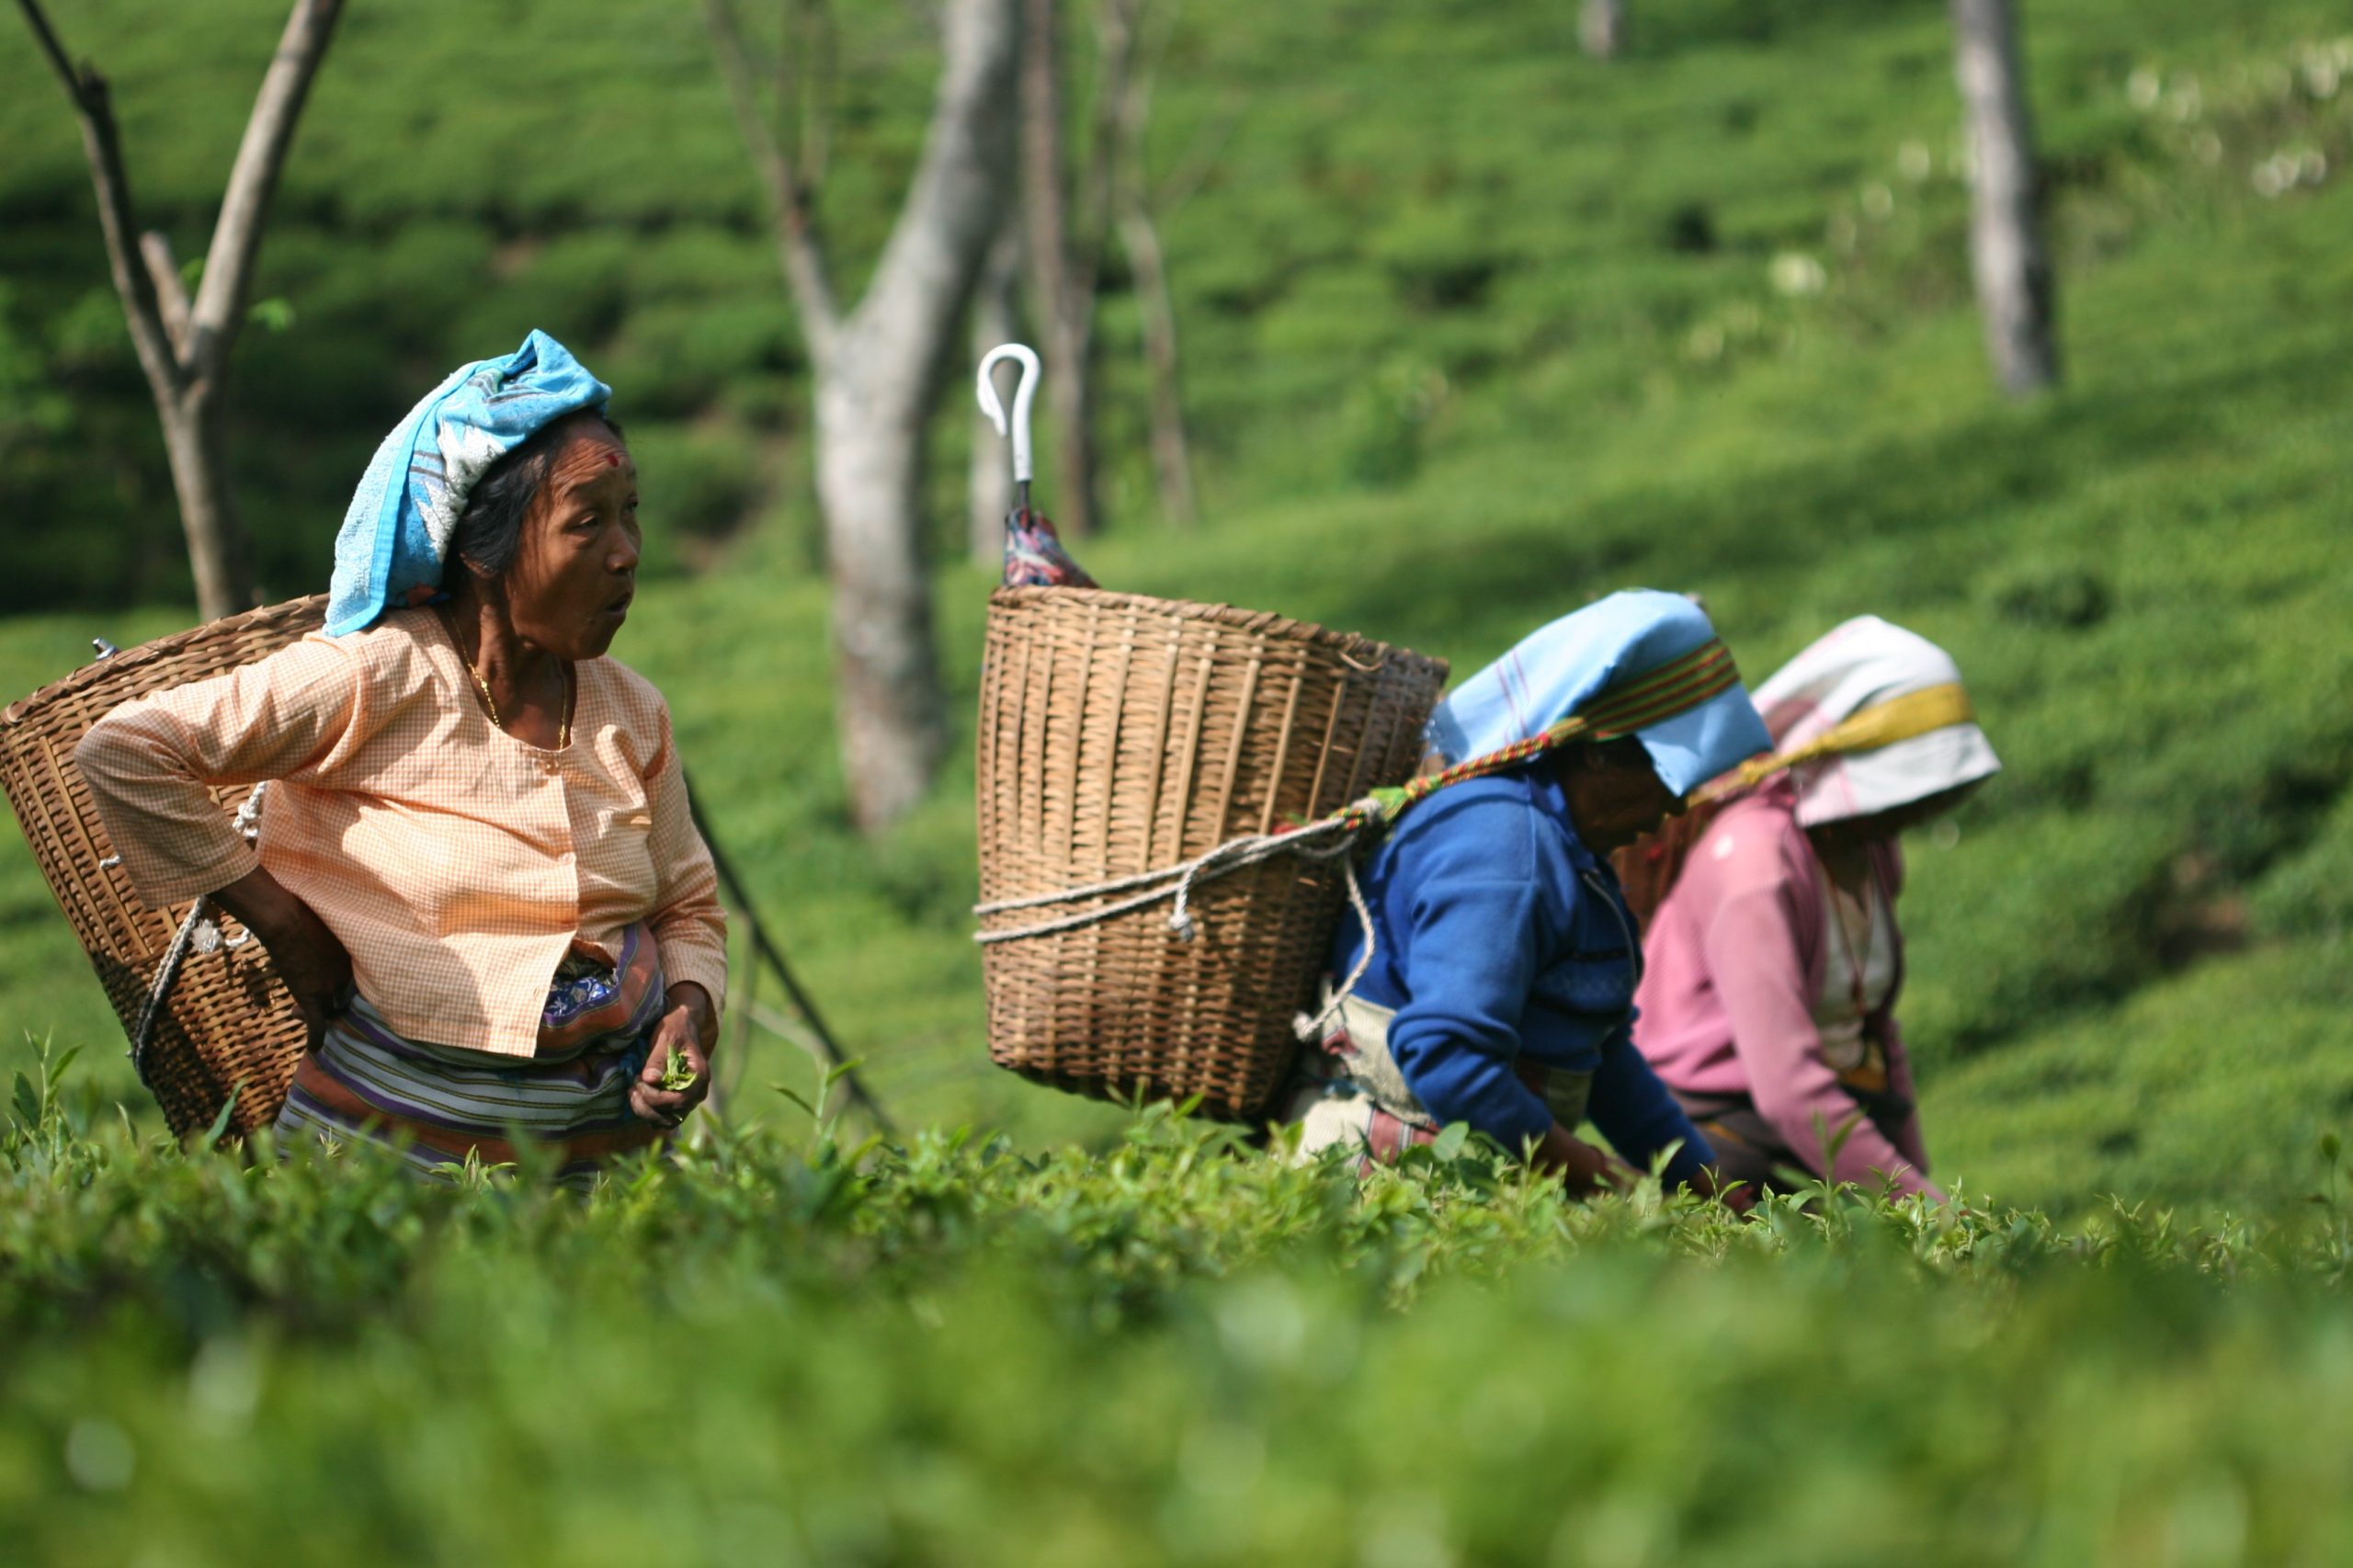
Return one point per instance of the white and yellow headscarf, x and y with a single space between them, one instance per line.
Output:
1869 718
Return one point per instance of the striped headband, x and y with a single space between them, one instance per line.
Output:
1673 688
1676 687
1901 718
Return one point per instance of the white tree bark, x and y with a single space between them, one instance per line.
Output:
888 707
183 344
878 371
1601 27
996 318
2015 288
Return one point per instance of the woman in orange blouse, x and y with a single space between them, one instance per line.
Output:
477 873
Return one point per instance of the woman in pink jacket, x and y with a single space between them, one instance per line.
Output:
1767 1005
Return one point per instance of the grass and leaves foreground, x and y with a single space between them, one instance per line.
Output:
780 1350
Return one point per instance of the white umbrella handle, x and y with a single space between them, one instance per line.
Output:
1023 392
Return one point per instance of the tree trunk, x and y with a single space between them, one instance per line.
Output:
217 551
1601 27
2012 270
889 707
996 320
1064 288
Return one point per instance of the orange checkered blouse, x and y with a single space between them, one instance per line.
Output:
456 862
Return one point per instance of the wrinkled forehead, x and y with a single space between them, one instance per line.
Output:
592 452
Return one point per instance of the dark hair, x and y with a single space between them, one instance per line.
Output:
490 530
1618 751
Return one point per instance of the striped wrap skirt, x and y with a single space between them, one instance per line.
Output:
436 1105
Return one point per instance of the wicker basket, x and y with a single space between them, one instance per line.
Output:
227 1021
1121 734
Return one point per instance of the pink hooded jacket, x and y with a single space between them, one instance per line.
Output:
1733 961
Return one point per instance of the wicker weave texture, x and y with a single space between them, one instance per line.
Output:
1119 735
228 1020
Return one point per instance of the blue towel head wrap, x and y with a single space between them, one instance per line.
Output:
1596 662
395 536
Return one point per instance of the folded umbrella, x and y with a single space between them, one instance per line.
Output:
1034 556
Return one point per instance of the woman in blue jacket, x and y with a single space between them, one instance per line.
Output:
1497 984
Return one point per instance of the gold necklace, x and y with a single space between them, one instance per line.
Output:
564 725
484 687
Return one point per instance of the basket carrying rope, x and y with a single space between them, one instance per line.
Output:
203 1007
200 930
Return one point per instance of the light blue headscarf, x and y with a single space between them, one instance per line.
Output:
395 536
1589 656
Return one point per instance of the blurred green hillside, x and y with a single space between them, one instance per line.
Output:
1475 329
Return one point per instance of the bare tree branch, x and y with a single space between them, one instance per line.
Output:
1172 461
184 348
171 294
47 37
1063 297
790 199
1116 31
803 76
783 71
220 308
118 218
1140 238
821 47
1069 230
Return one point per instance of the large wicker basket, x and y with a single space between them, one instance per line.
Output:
1121 734
227 1022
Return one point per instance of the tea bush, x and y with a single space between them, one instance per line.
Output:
779 1349
1474 328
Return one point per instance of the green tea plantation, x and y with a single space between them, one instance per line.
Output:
1475 329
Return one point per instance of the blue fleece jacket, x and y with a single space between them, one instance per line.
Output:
1499 934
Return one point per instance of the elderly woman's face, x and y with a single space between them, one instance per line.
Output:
576 567
1615 793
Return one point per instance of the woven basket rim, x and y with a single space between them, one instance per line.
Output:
168 646
1259 623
